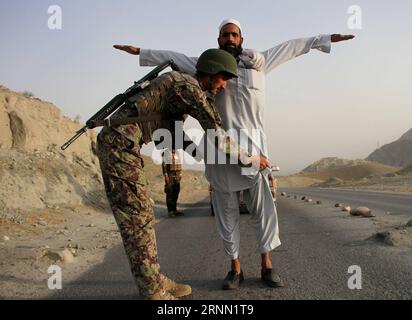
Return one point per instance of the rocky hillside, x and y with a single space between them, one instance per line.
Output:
36 175
53 209
332 163
405 171
397 153
336 172
343 169
352 172
29 124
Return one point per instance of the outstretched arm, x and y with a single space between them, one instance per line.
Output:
294 48
127 48
150 57
341 37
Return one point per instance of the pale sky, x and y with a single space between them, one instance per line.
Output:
344 104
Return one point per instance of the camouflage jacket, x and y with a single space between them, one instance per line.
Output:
171 162
173 95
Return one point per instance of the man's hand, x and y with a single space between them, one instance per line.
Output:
128 49
260 161
341 37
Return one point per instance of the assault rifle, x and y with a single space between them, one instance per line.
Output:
103 115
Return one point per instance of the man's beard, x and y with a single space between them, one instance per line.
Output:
233 50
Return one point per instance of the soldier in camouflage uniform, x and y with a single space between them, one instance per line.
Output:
172 173
170 96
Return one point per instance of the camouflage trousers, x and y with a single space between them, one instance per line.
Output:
126 189
172 191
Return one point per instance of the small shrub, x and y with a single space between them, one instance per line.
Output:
28 94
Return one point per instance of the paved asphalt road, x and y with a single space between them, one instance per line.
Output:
395 203
319 244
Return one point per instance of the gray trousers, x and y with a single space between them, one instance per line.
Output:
263 212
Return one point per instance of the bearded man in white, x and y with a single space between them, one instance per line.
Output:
241 107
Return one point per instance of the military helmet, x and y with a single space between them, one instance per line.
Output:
213 61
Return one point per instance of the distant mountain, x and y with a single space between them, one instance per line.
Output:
405 171
332 163
397 153
407 135
342 169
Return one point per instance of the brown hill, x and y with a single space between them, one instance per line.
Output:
335 172
36 175
332 163
397 153
405 171
53 209
358 174
351 172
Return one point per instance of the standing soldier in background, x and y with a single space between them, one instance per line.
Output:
172 172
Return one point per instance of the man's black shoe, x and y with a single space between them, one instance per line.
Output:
232 280
271 279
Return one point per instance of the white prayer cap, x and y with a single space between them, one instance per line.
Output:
232 21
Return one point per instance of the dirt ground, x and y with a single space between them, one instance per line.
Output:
76 238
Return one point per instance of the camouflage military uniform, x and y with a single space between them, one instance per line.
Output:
172 95
172 171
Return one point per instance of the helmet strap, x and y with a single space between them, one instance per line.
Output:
212 78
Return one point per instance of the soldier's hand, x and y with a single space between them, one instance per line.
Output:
260 162
341 37
127 48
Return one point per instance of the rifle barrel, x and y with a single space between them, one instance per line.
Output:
74 138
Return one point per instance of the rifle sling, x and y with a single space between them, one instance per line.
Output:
130 120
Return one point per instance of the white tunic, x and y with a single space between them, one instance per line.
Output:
241 104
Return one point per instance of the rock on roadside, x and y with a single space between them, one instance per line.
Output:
65 255
362 211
